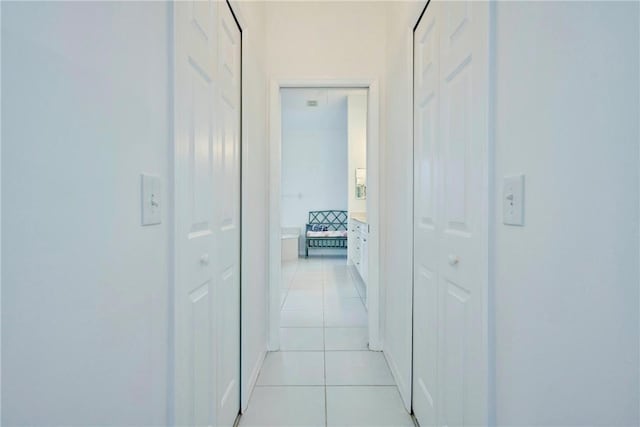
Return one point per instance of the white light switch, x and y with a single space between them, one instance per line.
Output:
151 201
513 200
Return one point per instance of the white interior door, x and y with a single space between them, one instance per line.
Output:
207 215
227 211
195 222
426 220
451 221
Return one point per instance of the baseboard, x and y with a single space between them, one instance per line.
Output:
253 379
405 391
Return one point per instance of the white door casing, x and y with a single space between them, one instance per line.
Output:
227 189
451 146
373 201
206 330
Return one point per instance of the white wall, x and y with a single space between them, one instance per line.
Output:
0 220
398 191
314 159
357 140
85 110
566 284
254 192
325 40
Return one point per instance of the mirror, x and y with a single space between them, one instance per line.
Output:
361 183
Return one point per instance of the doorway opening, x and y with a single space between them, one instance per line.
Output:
323 218
324 210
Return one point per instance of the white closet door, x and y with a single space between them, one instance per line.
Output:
227 211
207 214
451 219
427 227
195 222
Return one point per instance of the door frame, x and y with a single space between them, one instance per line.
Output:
243 394
373 199
247 382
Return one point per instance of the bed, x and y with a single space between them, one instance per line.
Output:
326 229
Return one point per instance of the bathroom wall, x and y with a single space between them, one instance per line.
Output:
357 138
314 156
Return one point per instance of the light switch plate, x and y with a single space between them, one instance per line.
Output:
151 200
513 200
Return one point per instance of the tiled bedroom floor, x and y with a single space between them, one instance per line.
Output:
324 374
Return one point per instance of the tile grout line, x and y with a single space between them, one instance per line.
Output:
328 271
289 282
331 385
344 350
324 347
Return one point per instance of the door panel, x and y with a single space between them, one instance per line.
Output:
200 352
194 115
425 347
207 215
455 325
455 138
200 150
228 219
450 214
426 221
464 258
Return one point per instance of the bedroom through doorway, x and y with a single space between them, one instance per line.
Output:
324 322
323 218
325 350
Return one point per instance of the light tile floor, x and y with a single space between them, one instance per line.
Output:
324 374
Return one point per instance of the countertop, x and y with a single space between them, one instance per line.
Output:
359 216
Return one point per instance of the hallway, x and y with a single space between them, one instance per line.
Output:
324 374
479 163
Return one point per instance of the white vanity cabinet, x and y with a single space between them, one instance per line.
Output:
359 246
364 254
354 246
